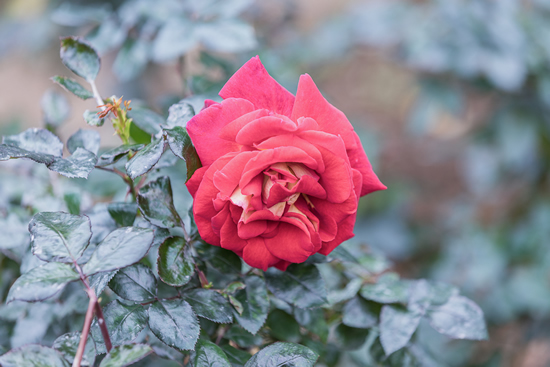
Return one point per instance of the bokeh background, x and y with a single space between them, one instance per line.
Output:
451 99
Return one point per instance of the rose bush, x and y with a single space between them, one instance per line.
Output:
282 174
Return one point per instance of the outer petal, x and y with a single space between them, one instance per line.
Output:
205 127
195 180
291 244
345 232
358 160
252 82
257 255
311 103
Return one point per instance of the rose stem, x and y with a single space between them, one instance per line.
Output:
85 331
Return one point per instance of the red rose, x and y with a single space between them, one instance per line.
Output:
281 175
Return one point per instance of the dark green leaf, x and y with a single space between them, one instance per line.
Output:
131 60
342 254
235 356
349 338
234 287
359 313
42 282
80 57
313 320
255 304
181 145
347 293
283 326
55 108
124 323
397 325
67 344
208 354
58 236
225 261
36 141
238 306
87 139
135 283
33 356
300 285
71 85
283 354
179 114
123 213
8 151
125 355
92 118
175 263
242 337
389 289
157 205
99 281
146 119
145 159
122 247
115 154
78 165
72 200
459 318
209 304
174 323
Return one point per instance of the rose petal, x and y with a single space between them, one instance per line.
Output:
345 232
230 131
195 180
311 103
358 160
291 243
264 127
257 255
252 82
251 229
291 140
227 179
229 236
205 127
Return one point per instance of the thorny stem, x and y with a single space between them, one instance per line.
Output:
85 330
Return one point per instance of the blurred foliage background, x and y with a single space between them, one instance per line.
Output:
451 99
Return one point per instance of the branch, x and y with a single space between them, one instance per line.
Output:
103 326
85 330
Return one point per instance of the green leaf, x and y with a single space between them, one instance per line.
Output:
115 154
359 313
300 285
125 355
80 57
122 247
124 323
208 354
42 282
181 145
389 289
225 261
283 326
33 355
58 236
347 293
131 60
255 304
283 354
342 254
145 159
71 85
55 108
99 281
174 323
78 165
135 283
314 320
175 263
459 318
72 200
123 213
87 139
92 118
349 338
234 287
235 356
397 325
157 204
8 152
39 141
67 344
210 305
179 114
242 337
238 306
146 119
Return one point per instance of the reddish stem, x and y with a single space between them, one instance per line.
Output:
85 331
103 326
